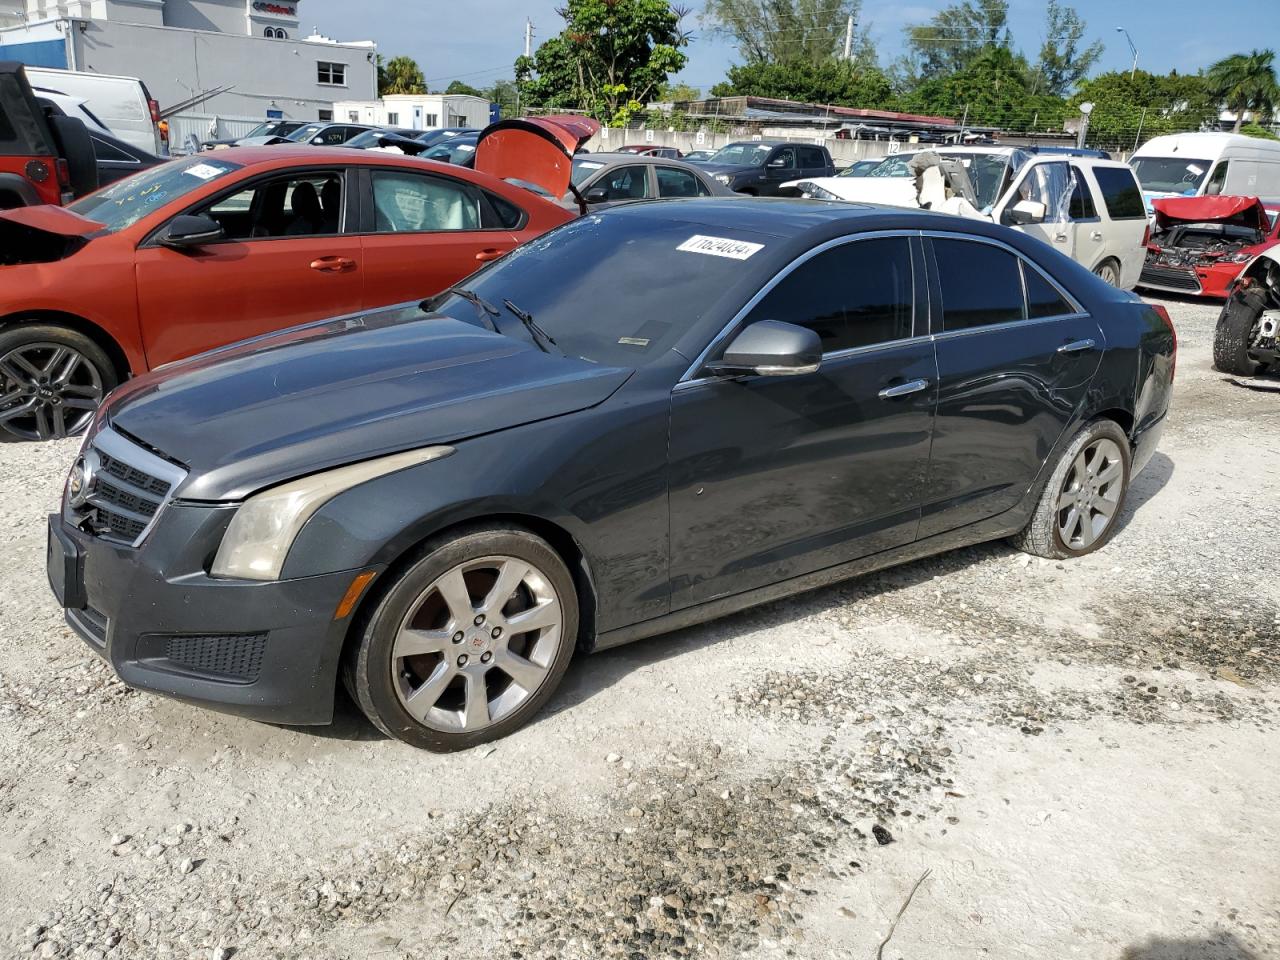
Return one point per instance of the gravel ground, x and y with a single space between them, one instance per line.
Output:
1059 760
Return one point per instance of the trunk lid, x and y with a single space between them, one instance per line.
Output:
538 150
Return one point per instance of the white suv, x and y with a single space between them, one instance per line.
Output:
1088 208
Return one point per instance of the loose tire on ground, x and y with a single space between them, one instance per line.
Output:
1071 486
408 649
32 358
1237 326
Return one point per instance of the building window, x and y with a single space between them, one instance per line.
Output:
430 120
269 32
353 116
393 119
331 74
276 33
281 34
324 115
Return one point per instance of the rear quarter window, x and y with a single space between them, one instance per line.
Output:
1120 193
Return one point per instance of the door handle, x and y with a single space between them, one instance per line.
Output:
904 389
1077 346
333 264
492 253
1096 235
1061 238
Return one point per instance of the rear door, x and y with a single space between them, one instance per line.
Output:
1013 368
423 232
675 182
1123 218
286 259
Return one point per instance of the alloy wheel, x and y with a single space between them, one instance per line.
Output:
1109 273
1091 493
47 391
477 643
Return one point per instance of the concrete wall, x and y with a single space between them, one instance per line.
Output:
844 152
267 74
218 15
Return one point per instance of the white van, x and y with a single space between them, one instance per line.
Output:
1208 164
122 104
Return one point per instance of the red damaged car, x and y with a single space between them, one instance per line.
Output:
207 250
1199 245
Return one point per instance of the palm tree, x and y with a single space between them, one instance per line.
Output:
401 75
1246 82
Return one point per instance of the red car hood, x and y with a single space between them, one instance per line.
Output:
538 150
50 219
1237 211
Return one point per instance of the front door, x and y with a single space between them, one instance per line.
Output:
1013 368
425 232
1050 183
783 166
285 260
775 477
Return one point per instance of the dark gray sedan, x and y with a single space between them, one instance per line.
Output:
646 418
604 179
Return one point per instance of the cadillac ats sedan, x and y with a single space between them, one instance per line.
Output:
644 419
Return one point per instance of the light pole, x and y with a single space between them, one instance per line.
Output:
1134 68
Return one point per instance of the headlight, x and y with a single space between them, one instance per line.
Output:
264 528
814 192
724 178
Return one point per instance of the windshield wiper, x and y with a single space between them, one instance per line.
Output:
485 310
539 336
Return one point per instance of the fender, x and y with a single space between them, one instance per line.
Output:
21 187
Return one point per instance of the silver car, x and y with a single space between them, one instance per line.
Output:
604 179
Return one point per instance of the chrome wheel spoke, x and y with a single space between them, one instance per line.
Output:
1105 507
1111 472
17 367
545 614
415 643
475 709
1067 529
526 674
420 701
44 428
454 592
19 411
1087 529
510 575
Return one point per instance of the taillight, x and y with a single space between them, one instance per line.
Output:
1168 320
1146 235
155 110
64 173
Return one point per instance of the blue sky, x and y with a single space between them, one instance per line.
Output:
477 40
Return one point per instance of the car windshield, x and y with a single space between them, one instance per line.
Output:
264 129
370 138
127 201
988 172
895 166
452 151
743 154
305 133
1170 174
583 169
590 284
861 168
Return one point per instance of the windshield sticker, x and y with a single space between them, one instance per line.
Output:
721 247
1194 169
589 165
205 171
634 341
466 147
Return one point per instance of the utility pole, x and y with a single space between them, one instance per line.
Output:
848 39
528 37
1138 136
1133 69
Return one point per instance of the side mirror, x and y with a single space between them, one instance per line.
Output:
771 348
597 195
1025 212
779 164
191 231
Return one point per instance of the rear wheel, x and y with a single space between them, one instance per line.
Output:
1236 331
1077 511
52 379
468 643
1109 271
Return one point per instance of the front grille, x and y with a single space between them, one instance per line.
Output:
1171 277
127 488
229 656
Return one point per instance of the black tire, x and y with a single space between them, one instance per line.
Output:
369 663
76 147
1041 536
1237 327
18 336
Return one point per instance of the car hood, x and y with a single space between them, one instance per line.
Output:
890 191
270 409
730 168
42 234
1235 211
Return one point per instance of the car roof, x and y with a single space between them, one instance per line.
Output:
624 158
302 154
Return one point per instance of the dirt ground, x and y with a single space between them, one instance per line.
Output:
1061 760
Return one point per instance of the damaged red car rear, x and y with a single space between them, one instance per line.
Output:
1200 245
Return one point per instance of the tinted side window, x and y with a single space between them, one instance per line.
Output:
106 151
1082 205
625 183
509 216
676 183
812 157
1043 299
1120 193
981 284
854 295
787 156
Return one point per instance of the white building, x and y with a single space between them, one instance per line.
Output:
183 49
421 111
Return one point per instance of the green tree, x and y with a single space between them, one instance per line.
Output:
678 93
831 81
401 75
1062 63
458 87
1129 110
610 59
1246 81
1257 130
952 39
778 31
995 89
505 95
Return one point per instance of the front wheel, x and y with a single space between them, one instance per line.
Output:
1236 331
52 379
468 643
1078 509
